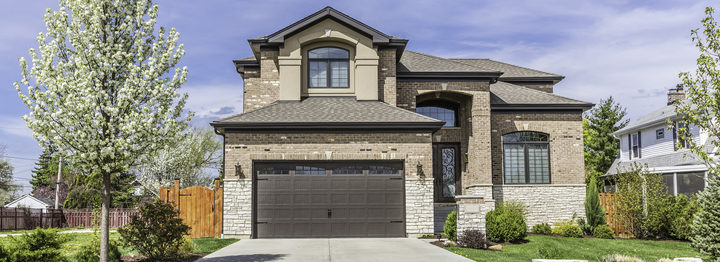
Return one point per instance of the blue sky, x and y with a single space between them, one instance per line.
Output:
632 50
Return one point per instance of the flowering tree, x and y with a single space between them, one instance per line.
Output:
187 159
103 87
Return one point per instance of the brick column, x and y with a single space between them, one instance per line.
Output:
471 212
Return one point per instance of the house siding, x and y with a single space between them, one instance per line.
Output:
651 147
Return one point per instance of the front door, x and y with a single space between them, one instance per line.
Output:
446 171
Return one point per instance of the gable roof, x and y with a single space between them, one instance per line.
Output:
653 118
510 71
334 112
675 159
41 199
506 94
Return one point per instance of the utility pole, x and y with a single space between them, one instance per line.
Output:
57 183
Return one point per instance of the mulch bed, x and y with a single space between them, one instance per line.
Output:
140 258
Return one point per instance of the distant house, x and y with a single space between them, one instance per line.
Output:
649 142
32 201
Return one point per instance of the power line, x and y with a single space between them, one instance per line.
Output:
20 158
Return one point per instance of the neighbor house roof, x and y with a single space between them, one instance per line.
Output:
506 94
676 159
38 198
658 116
329 112
509 71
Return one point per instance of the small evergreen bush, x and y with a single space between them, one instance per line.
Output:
472 239
586 228
593 210
450 226
567 228
157 233
90 252
683 210
39 245
506 223
542 229
706 225
603 231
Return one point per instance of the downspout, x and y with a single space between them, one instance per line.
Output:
222 221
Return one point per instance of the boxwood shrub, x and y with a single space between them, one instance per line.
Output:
542 229
506 223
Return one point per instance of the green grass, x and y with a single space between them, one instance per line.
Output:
210 244
76 240
581 248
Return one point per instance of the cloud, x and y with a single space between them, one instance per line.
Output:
14 126
214 100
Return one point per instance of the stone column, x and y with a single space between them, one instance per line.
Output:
471 212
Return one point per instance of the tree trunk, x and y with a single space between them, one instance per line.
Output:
105 218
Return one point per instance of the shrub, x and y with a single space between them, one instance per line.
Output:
641 202
593 210
584 226
187 246
706 225
506 223
542 229
39 245
90 252
157 233
472 238
4 253
603 231
450 226
567 228
683 210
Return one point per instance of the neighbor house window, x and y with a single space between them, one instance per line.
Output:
526 158
660 133
328 67
441 110
681 142
635 145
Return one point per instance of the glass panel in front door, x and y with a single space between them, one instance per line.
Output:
448 171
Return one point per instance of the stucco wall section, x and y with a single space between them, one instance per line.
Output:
566 145
237 208
545 203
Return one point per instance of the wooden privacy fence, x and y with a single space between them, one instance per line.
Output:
200 207
14 218
119 217
607 202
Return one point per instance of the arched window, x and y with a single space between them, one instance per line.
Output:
526 158
328 67
441 110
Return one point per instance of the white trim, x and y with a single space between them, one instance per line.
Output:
675 183
678 169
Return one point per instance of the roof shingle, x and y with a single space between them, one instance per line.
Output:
508 70
503 93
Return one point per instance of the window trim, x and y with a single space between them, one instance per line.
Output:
527 159
659 133
442 103
328 61
676 137
632 145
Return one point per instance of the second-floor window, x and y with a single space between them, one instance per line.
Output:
441 110
681 142
635 145
328 67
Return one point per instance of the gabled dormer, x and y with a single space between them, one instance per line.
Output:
324 54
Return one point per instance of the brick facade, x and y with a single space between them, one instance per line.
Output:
262 85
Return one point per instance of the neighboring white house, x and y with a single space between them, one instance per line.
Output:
32 201
649 141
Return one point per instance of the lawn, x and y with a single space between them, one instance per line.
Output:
580 248
76 240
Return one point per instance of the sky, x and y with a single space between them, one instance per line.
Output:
631 50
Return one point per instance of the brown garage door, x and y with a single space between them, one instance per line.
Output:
329 199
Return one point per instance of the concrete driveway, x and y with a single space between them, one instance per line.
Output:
346 249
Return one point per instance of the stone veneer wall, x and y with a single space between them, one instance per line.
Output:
545 203
244 148
237 208
262 86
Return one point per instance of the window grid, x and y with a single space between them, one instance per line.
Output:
444 114
526 158
328 67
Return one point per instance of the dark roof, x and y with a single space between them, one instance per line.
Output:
655 117
675 159
503 93
321 112
412 61
509 70
327 12
47 201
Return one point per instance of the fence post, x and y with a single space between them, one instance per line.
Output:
1 218
41 221
16 218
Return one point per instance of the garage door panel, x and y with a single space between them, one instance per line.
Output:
297 204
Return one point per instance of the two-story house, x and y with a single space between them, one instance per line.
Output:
346 133
650 142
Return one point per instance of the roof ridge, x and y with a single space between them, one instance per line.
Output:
530 90
450 60
505 63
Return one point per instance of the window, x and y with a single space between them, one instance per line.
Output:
681 129
328 67
660 133
526 158
441 110
635 145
